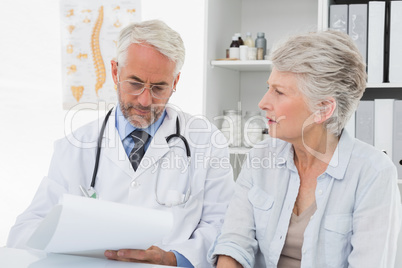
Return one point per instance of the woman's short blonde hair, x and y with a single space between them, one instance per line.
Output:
328 65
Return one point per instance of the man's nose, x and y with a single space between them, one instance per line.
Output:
145 98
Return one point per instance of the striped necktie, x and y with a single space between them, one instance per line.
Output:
140 139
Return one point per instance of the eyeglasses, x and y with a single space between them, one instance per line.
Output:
136 88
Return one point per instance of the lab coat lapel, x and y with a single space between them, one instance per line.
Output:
158 146
112 147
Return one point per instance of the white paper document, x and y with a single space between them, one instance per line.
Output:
86 226
18 258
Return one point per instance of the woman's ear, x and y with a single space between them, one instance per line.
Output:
325 111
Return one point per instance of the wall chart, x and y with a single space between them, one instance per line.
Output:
89 34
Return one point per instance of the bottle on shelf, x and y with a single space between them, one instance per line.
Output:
265 133
235 41
261 45
249 41
234 50
241 42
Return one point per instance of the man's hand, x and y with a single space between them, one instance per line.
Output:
152 255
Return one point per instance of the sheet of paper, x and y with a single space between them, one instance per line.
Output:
86 226
18 258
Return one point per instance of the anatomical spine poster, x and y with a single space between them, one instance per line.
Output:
89 35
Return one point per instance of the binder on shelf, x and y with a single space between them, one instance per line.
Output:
338 18
357 27
395 45
351 125
385 77
397 137
383 120
365 121
376 31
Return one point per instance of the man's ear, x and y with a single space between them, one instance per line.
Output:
114 71
325 111
176 81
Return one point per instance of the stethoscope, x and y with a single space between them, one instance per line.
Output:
91 193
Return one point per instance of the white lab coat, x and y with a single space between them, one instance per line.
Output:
196 223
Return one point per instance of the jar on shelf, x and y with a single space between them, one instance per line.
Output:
231 127
261 45
234 50
252 53
253 125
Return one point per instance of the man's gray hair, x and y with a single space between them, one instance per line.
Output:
155 33
327 64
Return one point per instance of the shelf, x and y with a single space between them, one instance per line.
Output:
385 85
239 150
246 65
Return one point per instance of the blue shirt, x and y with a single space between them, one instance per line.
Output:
358 214
124 128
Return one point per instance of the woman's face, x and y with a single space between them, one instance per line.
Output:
285 107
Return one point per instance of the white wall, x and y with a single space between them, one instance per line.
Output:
186 17
31 115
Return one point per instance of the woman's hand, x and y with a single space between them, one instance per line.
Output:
227 262
153 255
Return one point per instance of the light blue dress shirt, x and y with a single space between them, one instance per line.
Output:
358 214
124 128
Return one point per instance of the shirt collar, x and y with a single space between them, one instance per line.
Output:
284 153
124 128
339 160
289 156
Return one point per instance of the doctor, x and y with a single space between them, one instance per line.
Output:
197 190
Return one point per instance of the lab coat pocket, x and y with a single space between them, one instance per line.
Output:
338 232
173 185
186 219
262 206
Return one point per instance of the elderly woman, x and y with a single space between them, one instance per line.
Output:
311 195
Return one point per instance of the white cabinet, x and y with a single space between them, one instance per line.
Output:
229 82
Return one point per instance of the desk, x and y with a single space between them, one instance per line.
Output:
18 258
